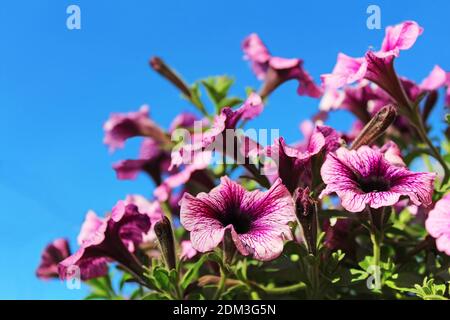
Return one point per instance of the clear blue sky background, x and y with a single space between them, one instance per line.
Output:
57 87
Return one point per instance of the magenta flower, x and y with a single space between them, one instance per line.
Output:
275 70
53 254
121 127
436 79
194 172
108 239
438 224
187 250
293 163
339 236
364 177
354 99
215 137
375 64
152 209
400 37
258 221
152 160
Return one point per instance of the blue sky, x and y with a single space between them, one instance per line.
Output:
58 86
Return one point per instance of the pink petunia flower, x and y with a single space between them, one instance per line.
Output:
375 64
216 136
436 79
438 224
191 172
105 239
187 250
152 159
364 177
53 254
121 127
293 163
275 70
151 208
258 221
339 236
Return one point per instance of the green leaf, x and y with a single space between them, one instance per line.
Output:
217 87
162 278
229 102
126 278
155 296
447 118
192 273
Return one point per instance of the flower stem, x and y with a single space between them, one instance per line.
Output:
221 285
376 236
436 154
283 290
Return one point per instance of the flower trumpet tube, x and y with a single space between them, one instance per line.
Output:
164 233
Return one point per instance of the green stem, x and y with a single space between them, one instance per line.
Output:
221 286
418 123
283 290
376 236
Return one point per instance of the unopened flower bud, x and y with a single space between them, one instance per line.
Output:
376 126
229 248
306 211
164 70
163 231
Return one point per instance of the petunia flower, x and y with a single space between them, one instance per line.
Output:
194 172
151 208
215 138
258 221
187 250
438 224
53 254
122 126
107 239
436 79
339 236
275 70
364 177
376 66
400 37
152 159
293 163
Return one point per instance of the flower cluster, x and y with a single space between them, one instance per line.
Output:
232 216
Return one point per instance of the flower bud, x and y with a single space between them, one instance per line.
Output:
376 126
306 211
163 231
229 248
164 70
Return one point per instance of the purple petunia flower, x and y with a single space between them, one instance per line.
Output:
258 221
53 254
216 136
375 64
121 127
365 177
152 159
436 79
194 171
438 224
187 250
111 238
275 70
293 163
